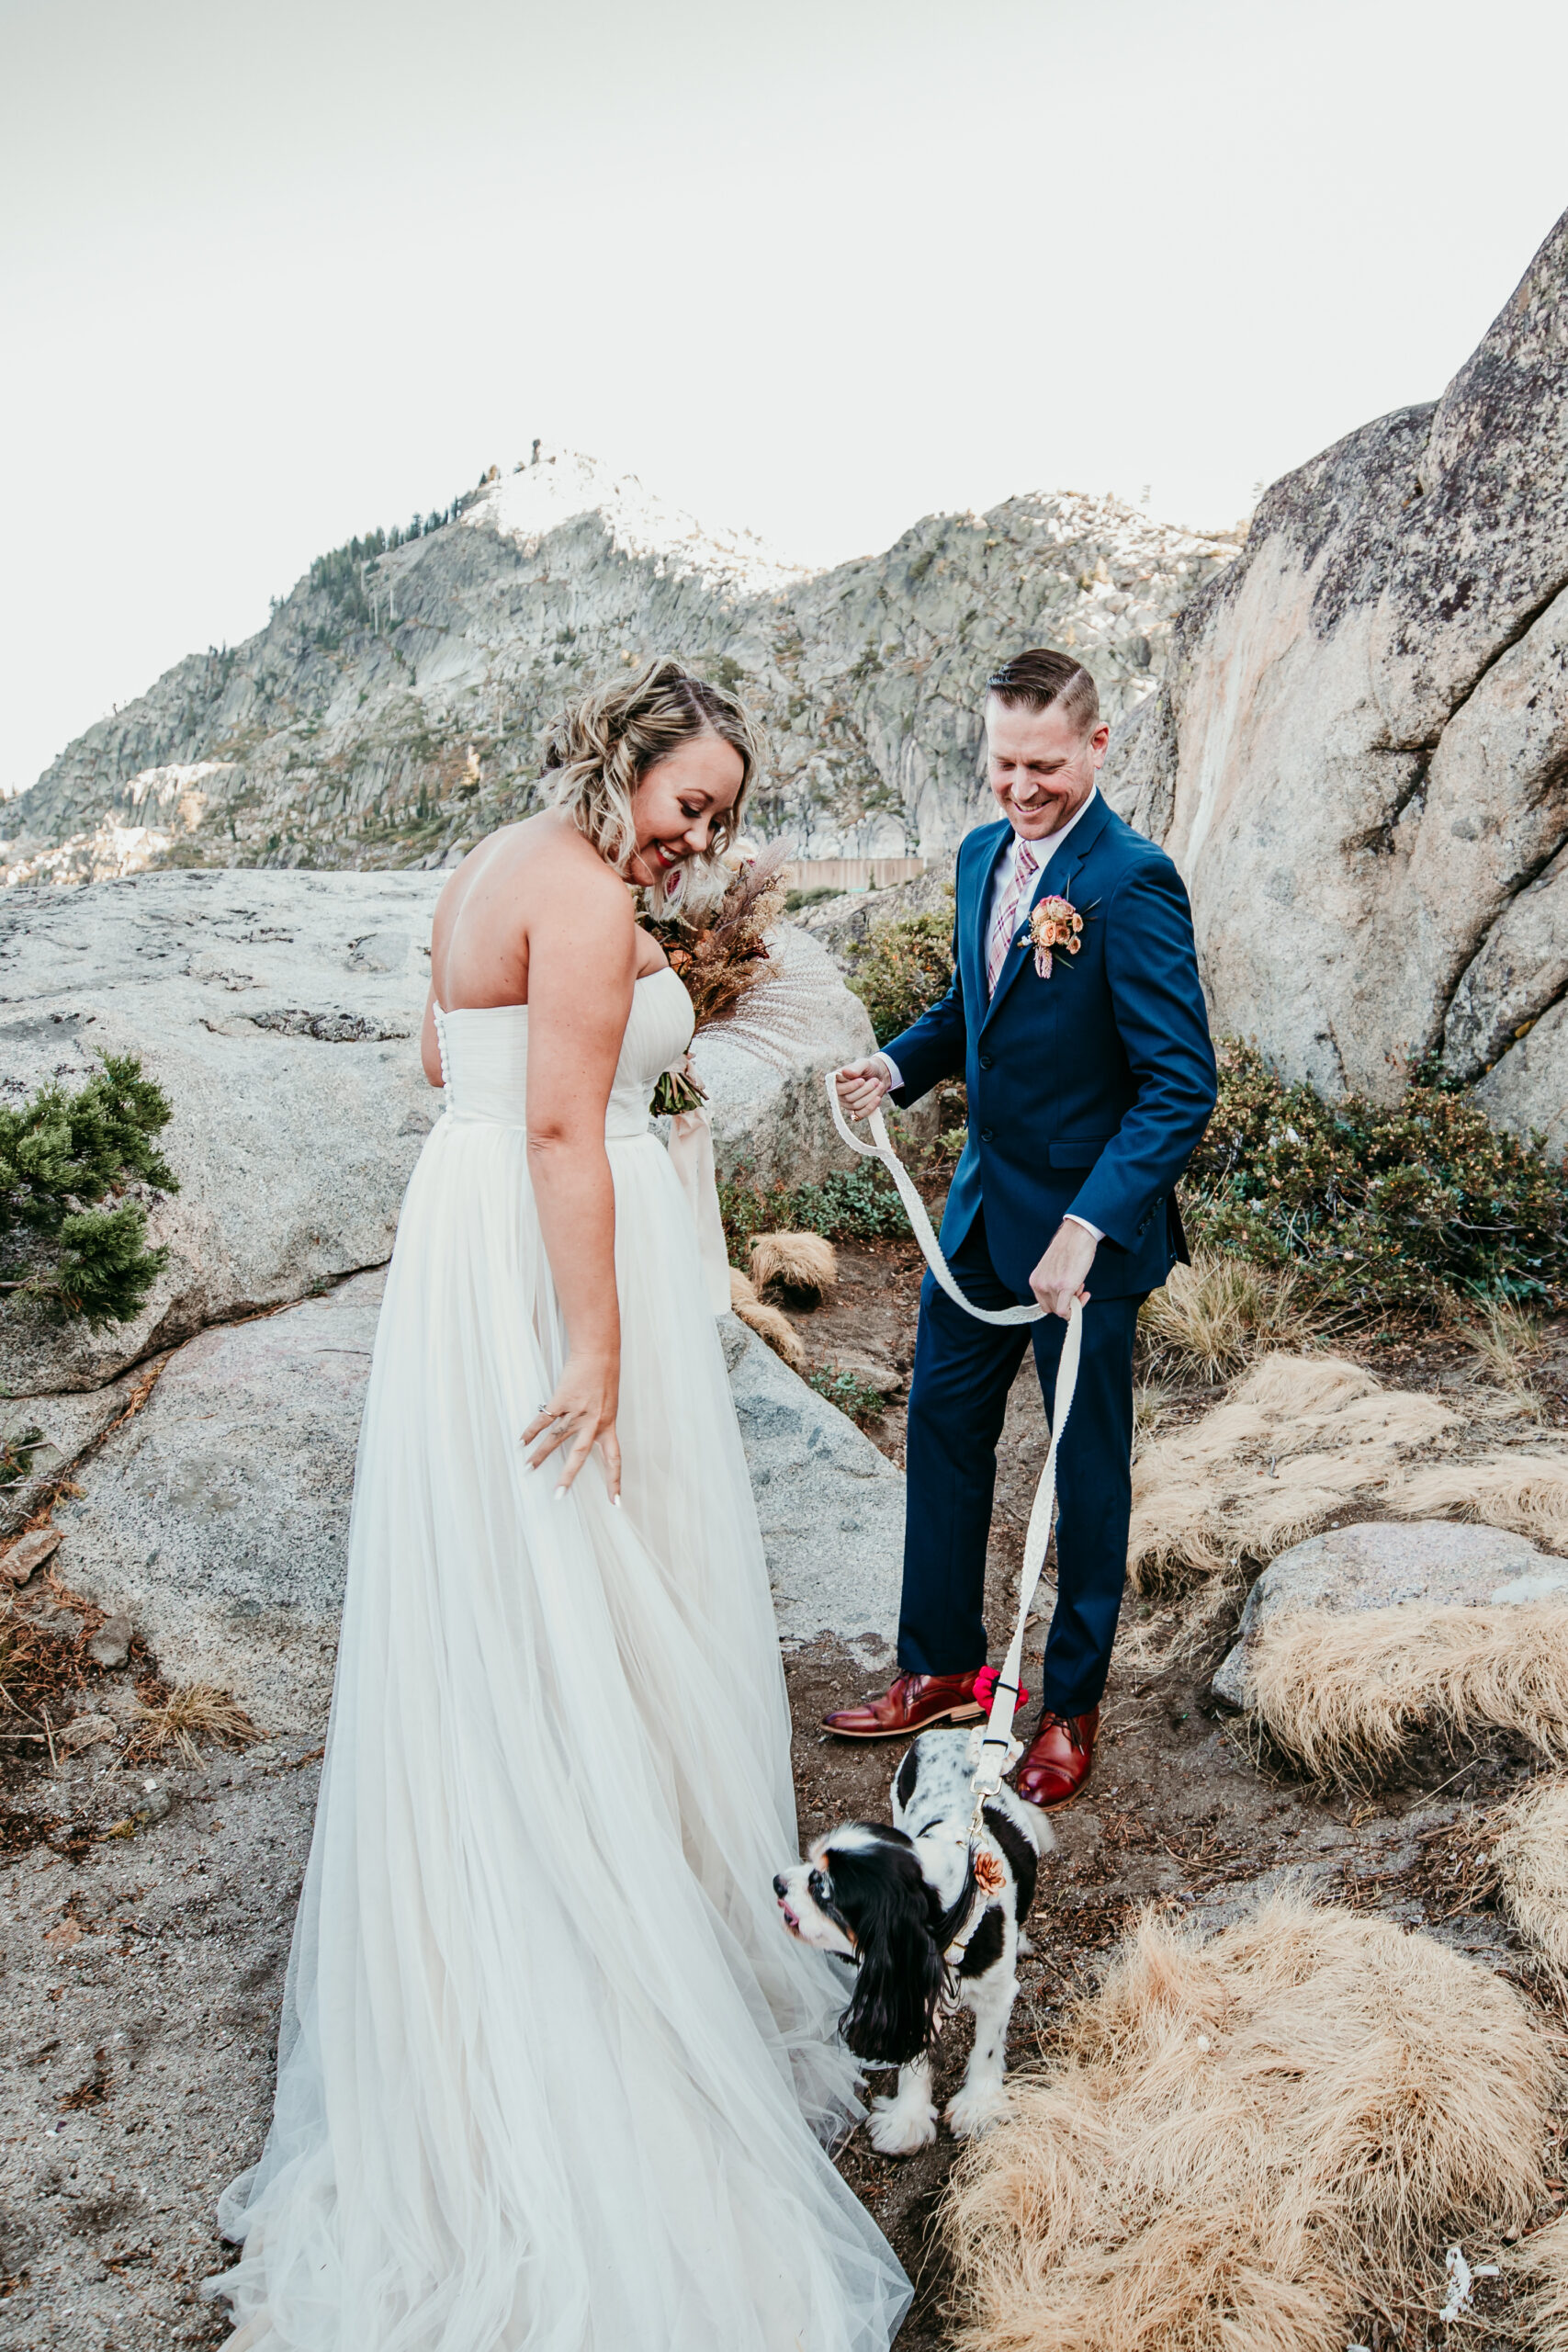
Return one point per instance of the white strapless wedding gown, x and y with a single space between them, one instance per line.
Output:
550 2074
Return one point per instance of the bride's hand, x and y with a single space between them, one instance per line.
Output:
580 1415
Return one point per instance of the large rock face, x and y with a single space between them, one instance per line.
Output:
280 1012
1359 756
830 1506
397 704
216 1518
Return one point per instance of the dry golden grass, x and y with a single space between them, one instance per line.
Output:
1252 2141
11 1651
1215 1314
1543 2256
1527 1492
1152 1399
1345 1695
770 1323
1298 1440
1502 1339
801 1263
185 1716
1531 1861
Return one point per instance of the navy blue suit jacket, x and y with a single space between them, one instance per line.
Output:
1088 1090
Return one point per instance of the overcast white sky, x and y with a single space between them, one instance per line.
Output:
276 273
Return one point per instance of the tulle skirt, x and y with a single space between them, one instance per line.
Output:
550 2074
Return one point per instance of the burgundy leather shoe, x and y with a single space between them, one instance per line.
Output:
909 1704
1058 1763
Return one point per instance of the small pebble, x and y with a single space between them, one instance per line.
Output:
110 1645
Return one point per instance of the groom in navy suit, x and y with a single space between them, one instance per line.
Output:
1091 1079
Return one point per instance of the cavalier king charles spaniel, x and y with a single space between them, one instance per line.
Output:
892 1900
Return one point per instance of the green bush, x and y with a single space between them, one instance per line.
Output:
795 900
17 1454
859 1206
1386 1206
856 1397
61 1154
901 970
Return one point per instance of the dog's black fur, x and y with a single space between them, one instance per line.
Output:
900 1932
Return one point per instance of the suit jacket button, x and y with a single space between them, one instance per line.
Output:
986 1060
984 1135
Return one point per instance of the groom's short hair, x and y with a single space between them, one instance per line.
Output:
1038 678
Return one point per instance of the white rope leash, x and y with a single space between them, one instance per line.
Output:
880 1148
1042 1511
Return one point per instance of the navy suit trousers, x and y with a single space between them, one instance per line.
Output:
957 1402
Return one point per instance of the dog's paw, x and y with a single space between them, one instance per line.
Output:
1025 1948
899 2127
975 2108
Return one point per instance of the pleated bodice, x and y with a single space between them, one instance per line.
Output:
484 1057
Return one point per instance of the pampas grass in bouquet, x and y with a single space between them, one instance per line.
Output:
719 948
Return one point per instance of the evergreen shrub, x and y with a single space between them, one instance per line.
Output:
1384 1206
858 1204
901 970
61 1154
863 1403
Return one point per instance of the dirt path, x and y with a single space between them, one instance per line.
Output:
1177 1810
143 1978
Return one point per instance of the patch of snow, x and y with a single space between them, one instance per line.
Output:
528 505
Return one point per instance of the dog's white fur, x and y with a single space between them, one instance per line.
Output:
933 1800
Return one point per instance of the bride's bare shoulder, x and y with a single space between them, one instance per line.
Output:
543 867
529 896
568 888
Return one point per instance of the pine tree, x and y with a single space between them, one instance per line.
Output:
60 1155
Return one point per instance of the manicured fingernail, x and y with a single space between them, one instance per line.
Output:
617 1501
560 1494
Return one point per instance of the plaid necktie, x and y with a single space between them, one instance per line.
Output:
1025 865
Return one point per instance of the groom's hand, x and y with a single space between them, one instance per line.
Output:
861 1086
1059 1277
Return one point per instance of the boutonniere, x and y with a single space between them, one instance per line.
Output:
1054 925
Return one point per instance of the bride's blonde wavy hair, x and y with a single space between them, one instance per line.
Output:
602 746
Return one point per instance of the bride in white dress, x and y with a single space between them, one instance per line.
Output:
551 2078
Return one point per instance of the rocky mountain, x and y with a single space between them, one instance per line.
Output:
1360 755
395 705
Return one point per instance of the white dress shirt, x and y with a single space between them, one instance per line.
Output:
1044 850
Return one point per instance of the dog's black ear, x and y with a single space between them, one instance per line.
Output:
888 1903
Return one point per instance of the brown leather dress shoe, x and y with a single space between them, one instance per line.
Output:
911 1702
1057 1765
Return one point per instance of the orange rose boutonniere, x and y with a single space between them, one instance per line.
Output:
1054 924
